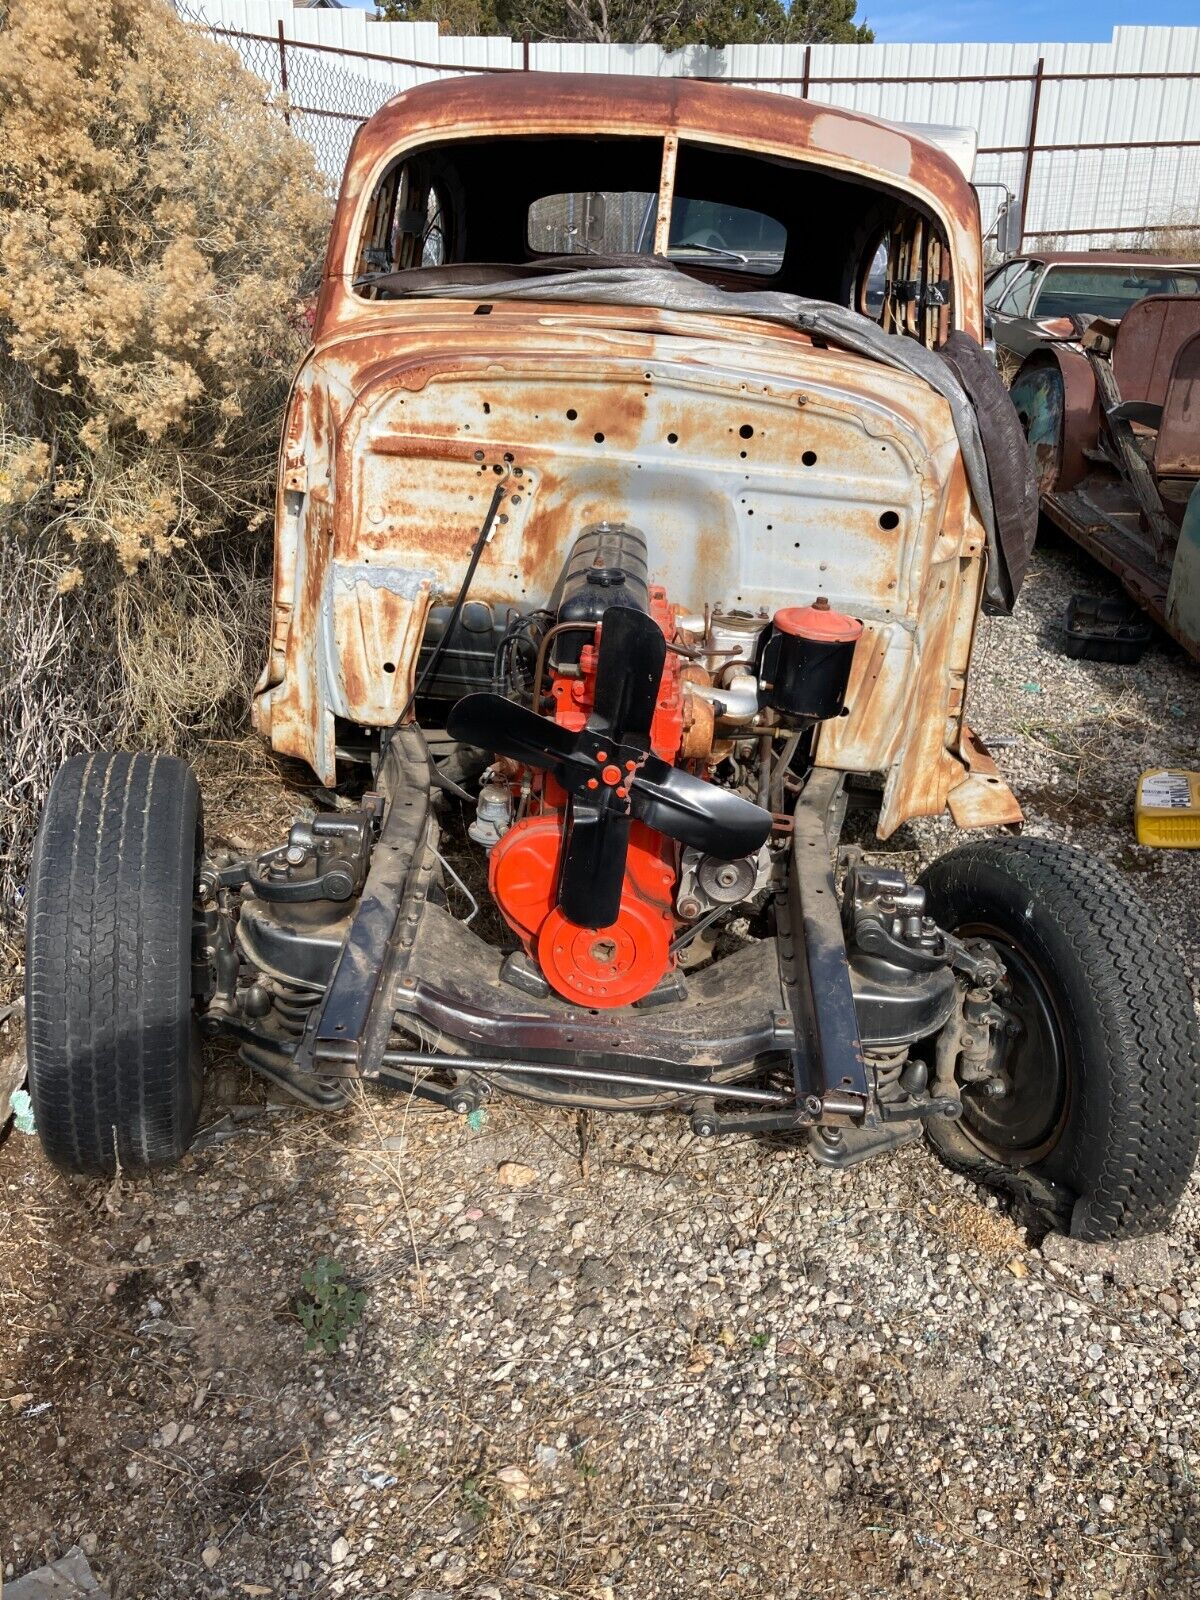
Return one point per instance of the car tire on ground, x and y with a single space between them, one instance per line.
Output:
1101 1124
114 1058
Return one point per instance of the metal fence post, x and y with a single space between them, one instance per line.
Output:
283 79
804 81
525 52
1031 146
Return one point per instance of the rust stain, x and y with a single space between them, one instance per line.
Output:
982 799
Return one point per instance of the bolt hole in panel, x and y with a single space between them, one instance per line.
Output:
694 498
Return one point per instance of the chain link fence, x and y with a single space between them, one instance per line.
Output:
316 88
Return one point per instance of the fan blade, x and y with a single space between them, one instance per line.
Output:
629 670
591 871
696 812
490 722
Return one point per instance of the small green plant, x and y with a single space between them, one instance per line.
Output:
329 1308
474 1500
759 1341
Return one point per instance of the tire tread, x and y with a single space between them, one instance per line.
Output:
114 1070
1142 1132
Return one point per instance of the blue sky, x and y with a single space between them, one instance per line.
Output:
1014 21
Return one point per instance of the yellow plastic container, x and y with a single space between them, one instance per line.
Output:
1166 810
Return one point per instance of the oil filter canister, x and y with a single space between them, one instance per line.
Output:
804 661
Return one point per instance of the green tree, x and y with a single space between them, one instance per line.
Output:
671 23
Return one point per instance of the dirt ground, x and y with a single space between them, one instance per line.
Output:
595 1358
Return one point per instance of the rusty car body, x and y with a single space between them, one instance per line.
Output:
613 565
1033 299
392 399
1112 416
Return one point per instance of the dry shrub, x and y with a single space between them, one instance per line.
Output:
1179 238
160 226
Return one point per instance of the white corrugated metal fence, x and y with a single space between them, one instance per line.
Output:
1114 128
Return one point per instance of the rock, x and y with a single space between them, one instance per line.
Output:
514 1482
340 1550
210 1555
1132 1263
596 1274
12 1057
515 1175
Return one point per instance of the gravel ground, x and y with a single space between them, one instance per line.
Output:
599 1359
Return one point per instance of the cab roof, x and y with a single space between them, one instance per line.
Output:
611 104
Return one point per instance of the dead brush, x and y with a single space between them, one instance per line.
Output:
189 638
1180 237
152 264
59 693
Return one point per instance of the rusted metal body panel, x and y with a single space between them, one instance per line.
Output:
1056 400
1177 448
1086 475
1183 596
1147 345
763 469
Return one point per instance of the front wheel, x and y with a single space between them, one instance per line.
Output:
113 1048
1098 1123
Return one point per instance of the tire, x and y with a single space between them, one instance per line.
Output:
1108 1021
114 1058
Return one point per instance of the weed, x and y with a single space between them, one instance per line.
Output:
330 1309
474 1500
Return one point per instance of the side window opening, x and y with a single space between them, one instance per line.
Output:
904 279
410 221
1000 283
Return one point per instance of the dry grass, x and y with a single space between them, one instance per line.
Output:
1180 237
189 636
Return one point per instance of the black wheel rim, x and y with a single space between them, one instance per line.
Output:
1024 1125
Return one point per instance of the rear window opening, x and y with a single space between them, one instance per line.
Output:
739 220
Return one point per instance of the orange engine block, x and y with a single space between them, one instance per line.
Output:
602 967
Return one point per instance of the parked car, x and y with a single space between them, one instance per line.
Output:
1113 424
607 583
1034 298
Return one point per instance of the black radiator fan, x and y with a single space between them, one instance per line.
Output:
610 774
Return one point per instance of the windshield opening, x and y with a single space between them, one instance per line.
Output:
740 220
